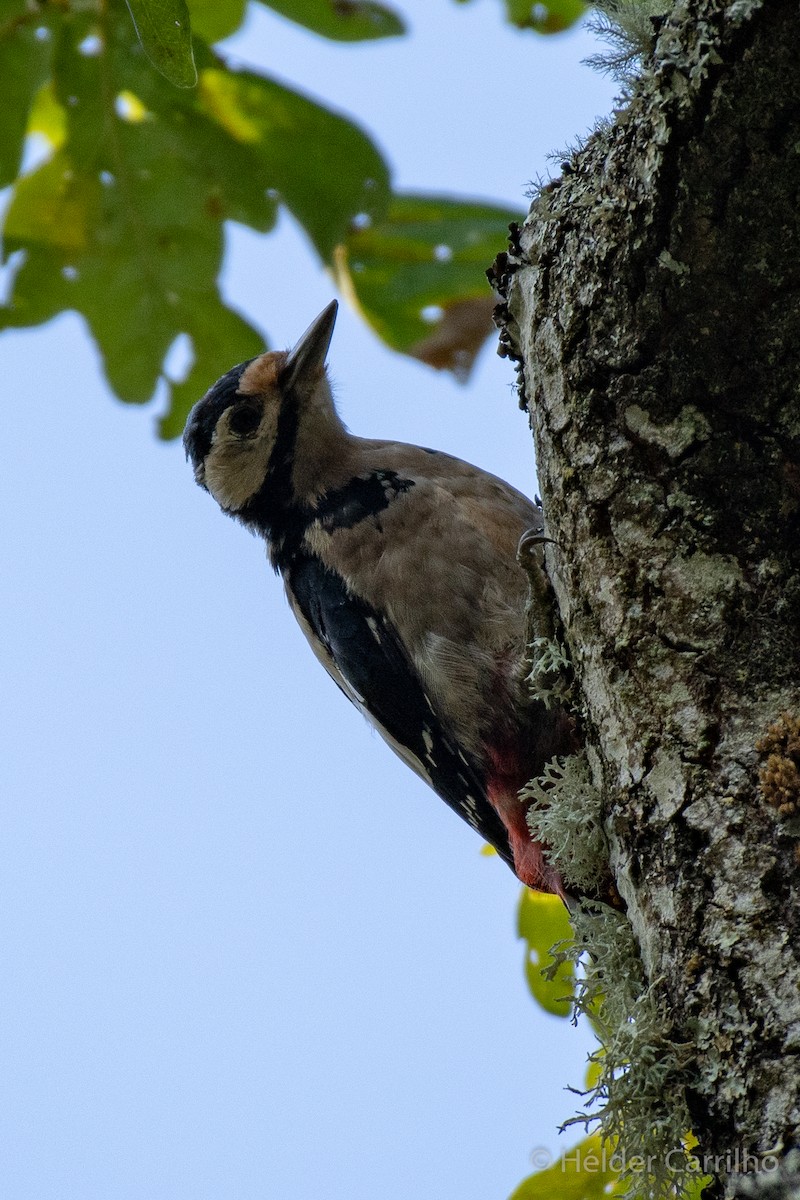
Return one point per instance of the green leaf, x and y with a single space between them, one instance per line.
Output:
694 1189
25 52
324 168
47 117
124 224
14 14
419 275
583 1173
552 16
542 922
135 306
53 207
592 1171
213 20
164 29
545 16
341 20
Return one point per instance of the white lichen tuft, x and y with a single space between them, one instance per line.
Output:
638 1100
551 672
638 1097
629 28
565 814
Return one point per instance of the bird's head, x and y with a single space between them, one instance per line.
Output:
241 437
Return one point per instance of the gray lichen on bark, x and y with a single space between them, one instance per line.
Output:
652 300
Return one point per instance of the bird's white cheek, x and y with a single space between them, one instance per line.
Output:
233 481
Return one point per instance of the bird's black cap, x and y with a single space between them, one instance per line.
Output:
203 418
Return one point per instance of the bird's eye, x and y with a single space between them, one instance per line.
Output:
245 419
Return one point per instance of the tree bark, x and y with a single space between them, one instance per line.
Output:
652 300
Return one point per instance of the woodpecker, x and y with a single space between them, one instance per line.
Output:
400 565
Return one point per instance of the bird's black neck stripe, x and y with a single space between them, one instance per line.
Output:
279 468
283 519
361 497
275 511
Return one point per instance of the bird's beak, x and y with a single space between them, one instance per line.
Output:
308 356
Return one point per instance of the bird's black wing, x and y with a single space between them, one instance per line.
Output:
364 654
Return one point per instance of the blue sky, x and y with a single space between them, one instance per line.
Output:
246 952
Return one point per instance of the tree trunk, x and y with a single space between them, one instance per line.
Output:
652 300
